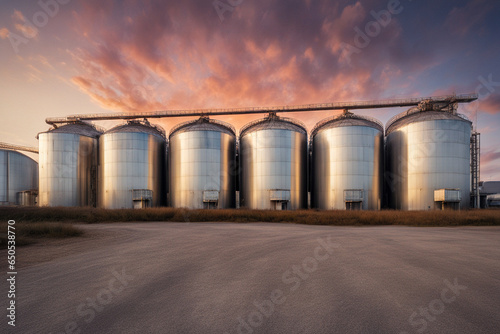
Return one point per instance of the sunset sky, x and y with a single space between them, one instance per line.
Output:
77 57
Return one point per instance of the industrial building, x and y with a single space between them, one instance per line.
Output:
493 201
425 158
490 194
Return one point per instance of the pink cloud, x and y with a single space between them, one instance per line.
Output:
4 33
490 156
490 164
198 64
491 104
23 25
178 55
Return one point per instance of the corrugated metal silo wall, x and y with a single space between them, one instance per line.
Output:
202 161
425 155
67 169
273 159
18 173
347 158
131 161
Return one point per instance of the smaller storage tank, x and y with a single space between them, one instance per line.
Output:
132 172
493 201
273 162
488 188
347 163
68 165
202 165
18 178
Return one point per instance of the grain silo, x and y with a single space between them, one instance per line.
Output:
273 161
132 168
428 160
68 165
202 164
347 163
18 178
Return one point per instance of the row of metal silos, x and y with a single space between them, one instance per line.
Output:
426 153
423 162
82 165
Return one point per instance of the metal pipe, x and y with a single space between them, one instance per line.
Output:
18 148
263 110
478 195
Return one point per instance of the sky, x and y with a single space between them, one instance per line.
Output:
64 57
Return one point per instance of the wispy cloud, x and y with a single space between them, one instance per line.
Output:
491 104
23 25
461 20
261 59
490 156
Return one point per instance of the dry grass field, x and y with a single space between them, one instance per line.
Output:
30 232
33 223
313 217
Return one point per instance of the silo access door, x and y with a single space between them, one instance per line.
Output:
445 199
353 199
142 198
279 199
210 199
